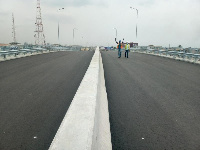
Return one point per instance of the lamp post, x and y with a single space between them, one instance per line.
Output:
137 18
135 9
74 34
116 32
58 23
82 41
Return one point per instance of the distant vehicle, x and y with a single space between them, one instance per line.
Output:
108 48
102 48
13 47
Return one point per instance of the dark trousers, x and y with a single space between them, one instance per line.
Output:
126 53
119 53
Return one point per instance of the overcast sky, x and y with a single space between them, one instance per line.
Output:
160 22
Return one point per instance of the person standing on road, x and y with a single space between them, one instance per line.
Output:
119 46
127 49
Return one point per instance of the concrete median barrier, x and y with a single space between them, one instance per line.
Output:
86 124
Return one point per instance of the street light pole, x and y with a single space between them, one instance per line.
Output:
136 10
82 41
58 24
74 34
137 18
116 32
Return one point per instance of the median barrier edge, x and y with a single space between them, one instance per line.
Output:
86 124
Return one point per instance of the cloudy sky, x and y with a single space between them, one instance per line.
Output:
160 22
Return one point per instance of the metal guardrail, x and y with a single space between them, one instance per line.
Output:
9 52
175 54
4 53
196 57
14 53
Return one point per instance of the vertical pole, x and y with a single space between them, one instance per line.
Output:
58 30
116 34
136 21
73 36
136 30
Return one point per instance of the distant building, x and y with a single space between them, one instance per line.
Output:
14 43
1 45
155 47
133 44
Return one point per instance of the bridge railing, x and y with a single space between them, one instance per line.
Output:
15 53
169 53
29 51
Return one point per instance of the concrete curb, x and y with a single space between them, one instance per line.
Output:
102 135
86 124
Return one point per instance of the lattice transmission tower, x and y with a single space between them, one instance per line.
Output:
39 35
13 29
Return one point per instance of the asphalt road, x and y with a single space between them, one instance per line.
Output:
35 93
154 102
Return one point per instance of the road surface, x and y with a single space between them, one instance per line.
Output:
35 93
154 102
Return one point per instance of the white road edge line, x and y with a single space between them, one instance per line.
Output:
86 124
